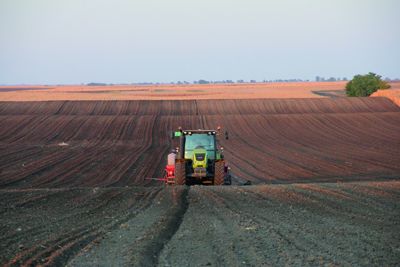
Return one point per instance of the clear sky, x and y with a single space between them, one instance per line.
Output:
124 41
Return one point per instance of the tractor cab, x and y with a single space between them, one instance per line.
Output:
199 150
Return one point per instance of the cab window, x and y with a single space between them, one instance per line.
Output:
199 141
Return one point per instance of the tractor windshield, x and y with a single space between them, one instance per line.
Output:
200 141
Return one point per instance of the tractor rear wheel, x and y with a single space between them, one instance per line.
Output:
219 173
180 173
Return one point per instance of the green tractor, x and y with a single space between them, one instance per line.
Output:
197 159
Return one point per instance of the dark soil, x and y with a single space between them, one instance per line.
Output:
353 224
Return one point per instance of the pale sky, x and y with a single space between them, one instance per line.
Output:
124 41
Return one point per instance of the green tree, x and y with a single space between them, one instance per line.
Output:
365 85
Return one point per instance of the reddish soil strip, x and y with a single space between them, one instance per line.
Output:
171 92
15 89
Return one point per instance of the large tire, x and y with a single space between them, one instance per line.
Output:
180 173
219 173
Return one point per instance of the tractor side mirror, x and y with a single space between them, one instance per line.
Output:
226 135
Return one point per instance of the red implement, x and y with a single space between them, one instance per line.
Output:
169 174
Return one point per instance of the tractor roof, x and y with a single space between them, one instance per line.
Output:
199 131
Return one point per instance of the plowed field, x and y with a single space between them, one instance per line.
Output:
71 144
73 188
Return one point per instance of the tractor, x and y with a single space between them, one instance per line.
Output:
197 159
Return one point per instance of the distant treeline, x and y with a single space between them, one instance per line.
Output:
201 81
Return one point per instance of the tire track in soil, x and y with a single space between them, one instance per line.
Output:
163 231
210 235
141 240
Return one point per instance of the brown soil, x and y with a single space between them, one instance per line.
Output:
69 144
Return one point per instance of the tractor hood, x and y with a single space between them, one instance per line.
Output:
199 157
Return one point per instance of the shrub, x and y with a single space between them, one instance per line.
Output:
365 85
